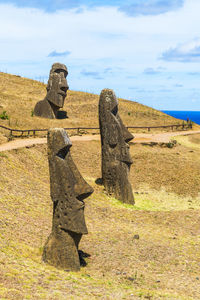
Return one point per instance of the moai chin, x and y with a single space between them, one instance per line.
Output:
116 160
56 92
68 191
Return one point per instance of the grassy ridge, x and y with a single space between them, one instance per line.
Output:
18 97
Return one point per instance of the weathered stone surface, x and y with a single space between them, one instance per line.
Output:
68 190
56 92
116 160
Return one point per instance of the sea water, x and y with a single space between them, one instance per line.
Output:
184 115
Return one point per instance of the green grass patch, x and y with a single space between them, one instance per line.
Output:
185 141
158 201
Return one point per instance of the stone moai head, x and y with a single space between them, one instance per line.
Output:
56 92
116 159
68 191
57 85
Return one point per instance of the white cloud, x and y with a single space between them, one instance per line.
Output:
187 52
98 39
151 7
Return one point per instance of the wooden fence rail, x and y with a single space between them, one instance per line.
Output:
176 126
33 131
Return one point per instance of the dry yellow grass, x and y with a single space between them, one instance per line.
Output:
177 170
162 264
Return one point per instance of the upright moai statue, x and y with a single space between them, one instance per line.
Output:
116 160
68 191
56 92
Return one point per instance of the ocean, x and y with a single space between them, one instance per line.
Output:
184 115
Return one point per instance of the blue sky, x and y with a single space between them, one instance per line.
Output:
145 50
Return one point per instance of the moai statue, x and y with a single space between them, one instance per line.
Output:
116 160
68 190
56 92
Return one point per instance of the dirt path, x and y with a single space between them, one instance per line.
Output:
139 138
160 137
20 143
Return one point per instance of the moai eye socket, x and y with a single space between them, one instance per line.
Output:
63 152
59 71
115 110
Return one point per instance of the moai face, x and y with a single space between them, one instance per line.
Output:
68 188
115 134
116 159
57 85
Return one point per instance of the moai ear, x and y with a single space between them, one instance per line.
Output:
49 84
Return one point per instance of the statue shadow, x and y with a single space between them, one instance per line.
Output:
61 114
83 255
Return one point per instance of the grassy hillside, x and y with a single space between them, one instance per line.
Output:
18 97
162 264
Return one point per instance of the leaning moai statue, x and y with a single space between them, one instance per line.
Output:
116 160
68 191
56 92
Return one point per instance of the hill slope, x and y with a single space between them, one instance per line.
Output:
162 264
18 97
